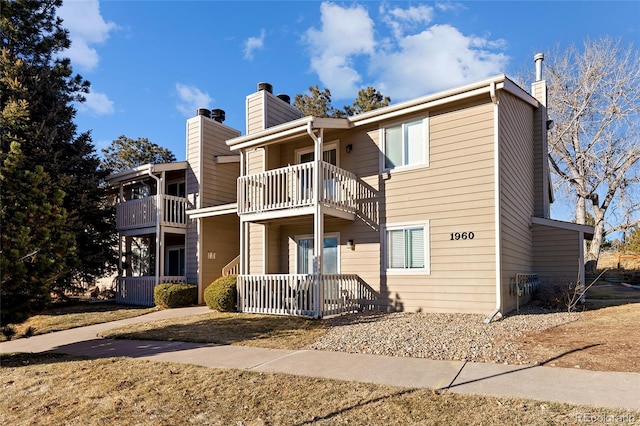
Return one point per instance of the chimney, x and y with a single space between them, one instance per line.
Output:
218 115
285 98
543 189
205 112
266 87
538 60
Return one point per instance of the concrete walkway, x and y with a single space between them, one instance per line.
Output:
592 388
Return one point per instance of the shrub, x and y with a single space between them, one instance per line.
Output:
175 295
221 294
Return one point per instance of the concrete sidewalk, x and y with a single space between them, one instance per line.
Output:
593 388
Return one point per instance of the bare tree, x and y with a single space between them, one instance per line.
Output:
594 102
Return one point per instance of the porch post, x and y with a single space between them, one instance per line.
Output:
243 234
318 227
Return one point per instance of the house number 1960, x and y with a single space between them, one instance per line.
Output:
462 236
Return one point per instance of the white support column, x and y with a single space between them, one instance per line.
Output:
243 245
243 233
160 247
318 227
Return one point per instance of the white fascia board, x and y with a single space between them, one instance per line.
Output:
587 229
144 170
502 82
223 209
286 131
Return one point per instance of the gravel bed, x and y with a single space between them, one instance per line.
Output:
439 336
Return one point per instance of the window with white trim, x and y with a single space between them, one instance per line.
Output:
407 248
405 144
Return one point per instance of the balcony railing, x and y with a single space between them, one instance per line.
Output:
292 187
139 290
142 213
297 294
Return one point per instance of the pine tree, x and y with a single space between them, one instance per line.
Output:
318 103
125 153
38 91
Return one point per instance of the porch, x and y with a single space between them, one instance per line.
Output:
290 191
143 212
139 290
303 295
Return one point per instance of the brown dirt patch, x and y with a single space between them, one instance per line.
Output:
602 339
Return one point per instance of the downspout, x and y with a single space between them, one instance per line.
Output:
159 207
496 189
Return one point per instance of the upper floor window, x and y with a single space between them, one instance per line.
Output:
177 189
405 144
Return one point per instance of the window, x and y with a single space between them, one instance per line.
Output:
175 261
177 189
329 154
405 144
407 248
329 255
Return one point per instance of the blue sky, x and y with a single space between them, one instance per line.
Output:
153 63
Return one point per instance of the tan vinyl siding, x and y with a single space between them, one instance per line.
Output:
193 190
278 111
255 112
265 110
219 236
556 254
541 162
193 157
273 248
455 194
209 184
256 249
255 161
516 192
219 179
192 243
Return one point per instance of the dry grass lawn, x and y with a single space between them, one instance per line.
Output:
603 339
76 315
267 331
57 389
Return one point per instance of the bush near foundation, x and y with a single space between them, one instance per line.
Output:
175 295
222 293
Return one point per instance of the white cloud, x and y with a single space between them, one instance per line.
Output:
437 58
86 28
190 99
97 103
418 58
401 20
344 34
252 44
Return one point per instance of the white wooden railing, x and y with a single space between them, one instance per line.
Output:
139 290
232 268
345 293
297 295
135 290
292 187
142 213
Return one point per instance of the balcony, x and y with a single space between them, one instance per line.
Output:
289 191
143 213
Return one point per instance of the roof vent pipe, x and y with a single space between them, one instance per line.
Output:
284 97
538 60
265 86
205 112
218 115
